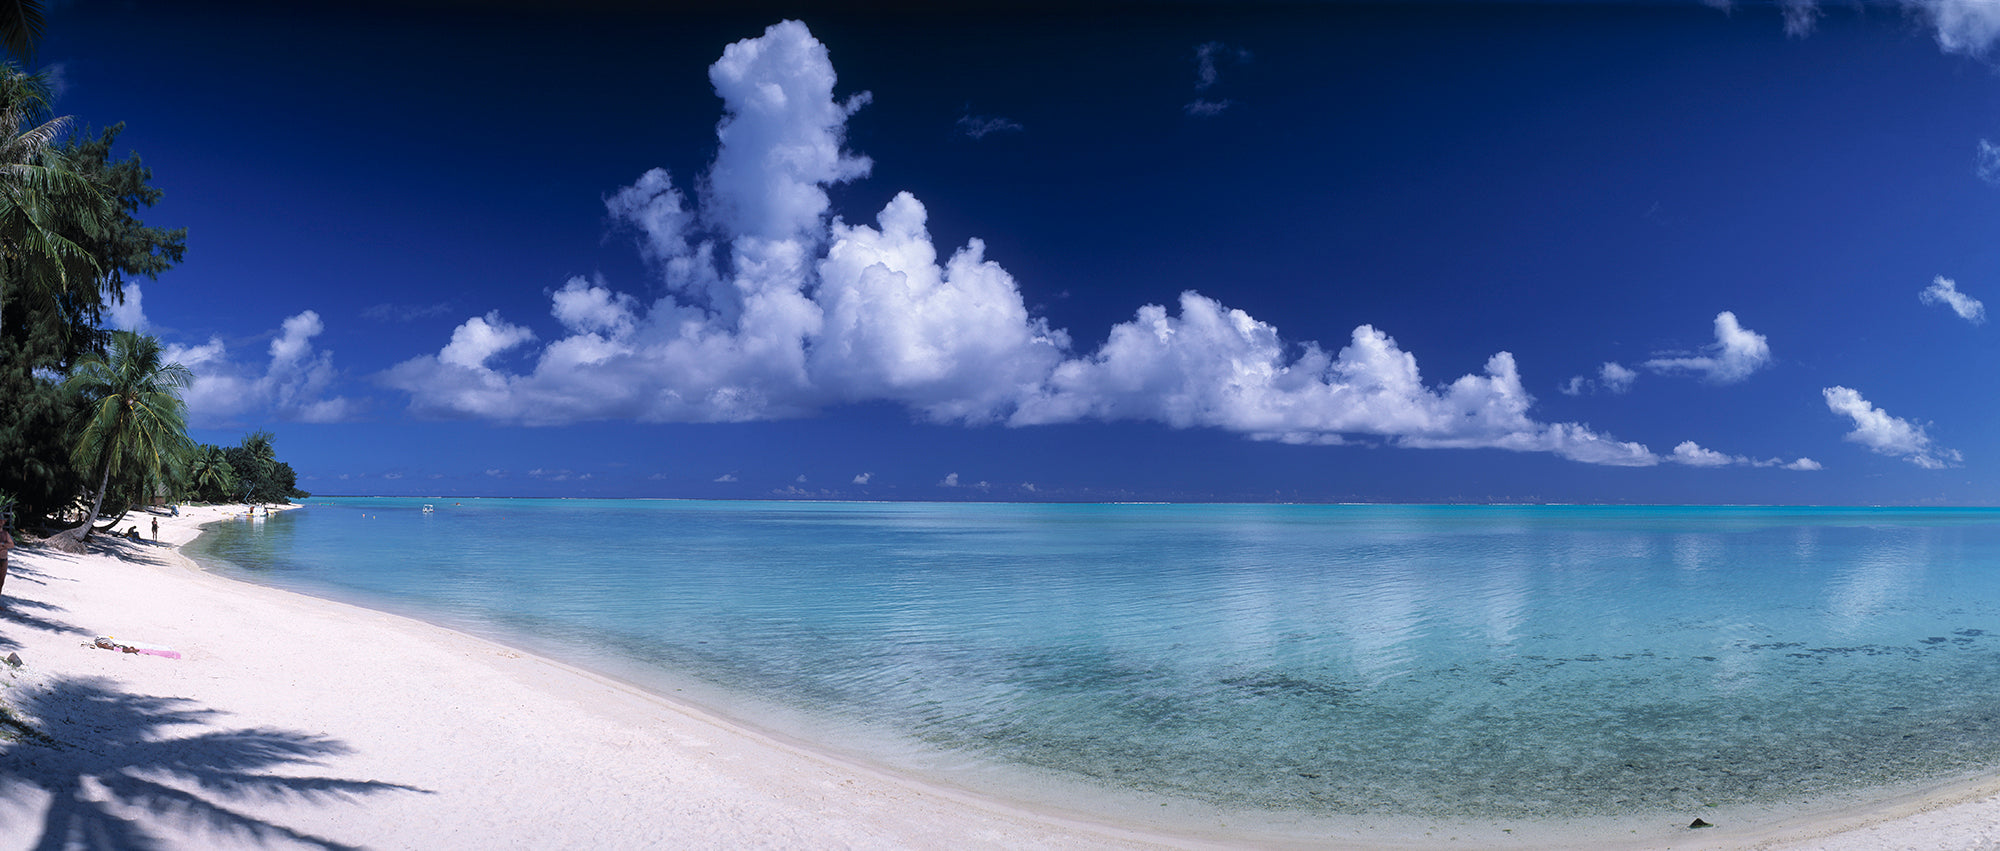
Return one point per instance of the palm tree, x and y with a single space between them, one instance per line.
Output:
20 26
41 198
255 463
209 472
137 424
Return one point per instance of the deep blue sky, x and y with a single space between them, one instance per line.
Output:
1571 184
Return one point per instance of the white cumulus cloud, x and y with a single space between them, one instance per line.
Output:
293 385
862 478
1961 26
1737 352
1615 378
1888 435
1693 455
1212 366
774 308
1944 291
479 339
949 481
129 314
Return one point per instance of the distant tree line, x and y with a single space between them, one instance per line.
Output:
247 472
92 423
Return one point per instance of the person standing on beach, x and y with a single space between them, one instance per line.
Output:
6 546
156 530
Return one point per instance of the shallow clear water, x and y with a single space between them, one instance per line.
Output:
1472 662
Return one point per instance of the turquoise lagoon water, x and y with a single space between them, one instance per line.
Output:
1451 662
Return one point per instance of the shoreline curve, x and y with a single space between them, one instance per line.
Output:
450 738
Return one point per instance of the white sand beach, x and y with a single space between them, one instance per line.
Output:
290 721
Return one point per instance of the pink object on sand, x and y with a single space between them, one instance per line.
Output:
112 643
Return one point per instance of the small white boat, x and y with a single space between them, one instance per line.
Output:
428 508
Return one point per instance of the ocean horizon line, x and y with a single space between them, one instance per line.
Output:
1386 503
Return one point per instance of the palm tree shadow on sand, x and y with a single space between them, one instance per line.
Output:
112 767
20 611
27 613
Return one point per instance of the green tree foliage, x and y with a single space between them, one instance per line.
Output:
210 478
39 338
260 476
45 207
53 304
135 436
124 246
255 461
35 431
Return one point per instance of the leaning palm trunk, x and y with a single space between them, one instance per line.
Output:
72 540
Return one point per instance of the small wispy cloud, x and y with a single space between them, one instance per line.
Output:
1611 377
949 481
1986 163
389 312
1205 108
1944 291
1964 27
1207 73
1801 16
58 77
726 477
862 478
1694 454
982 126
